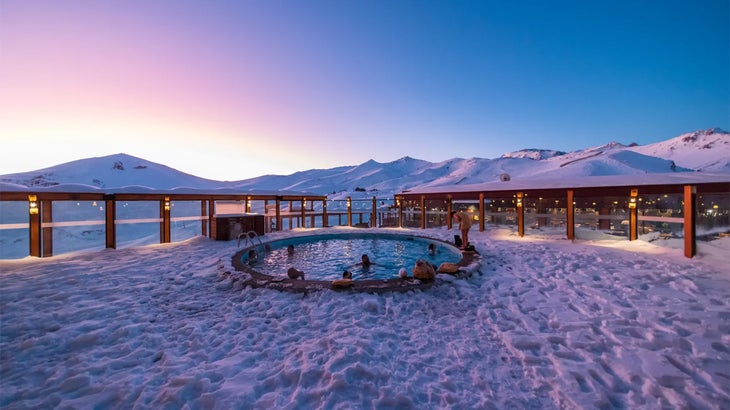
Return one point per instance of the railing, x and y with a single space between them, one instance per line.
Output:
49 222
46 224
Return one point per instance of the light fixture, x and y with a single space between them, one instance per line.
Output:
33 204
167 203
632 198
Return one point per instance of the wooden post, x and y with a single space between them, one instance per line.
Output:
520 214
278 213
481 212
690 230
374 216
165 224
325 222
449 221
633 215
47 232
203 224
349 211
303 212
423 212
110 214
34 225
211 218
570 213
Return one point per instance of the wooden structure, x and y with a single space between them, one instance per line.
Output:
520 202
628 192
41 222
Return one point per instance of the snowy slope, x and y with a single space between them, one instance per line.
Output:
707 151
111 171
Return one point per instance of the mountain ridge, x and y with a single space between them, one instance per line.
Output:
698 151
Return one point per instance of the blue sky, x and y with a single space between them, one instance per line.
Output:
230 90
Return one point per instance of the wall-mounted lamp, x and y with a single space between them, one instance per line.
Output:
33 204
632 199
167 203
519 199
349 202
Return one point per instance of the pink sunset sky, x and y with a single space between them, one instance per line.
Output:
232 90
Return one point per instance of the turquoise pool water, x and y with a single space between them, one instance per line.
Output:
325 257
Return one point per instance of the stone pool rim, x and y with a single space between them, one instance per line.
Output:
262 280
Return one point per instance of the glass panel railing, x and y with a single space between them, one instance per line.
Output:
14 240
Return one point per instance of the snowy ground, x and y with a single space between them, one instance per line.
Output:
543 324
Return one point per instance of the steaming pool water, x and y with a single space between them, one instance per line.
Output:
325 257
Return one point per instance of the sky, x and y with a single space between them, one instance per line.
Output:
231 90
536 323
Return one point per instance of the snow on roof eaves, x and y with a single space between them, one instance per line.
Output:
135 189
673 178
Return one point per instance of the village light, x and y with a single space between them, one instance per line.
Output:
33 204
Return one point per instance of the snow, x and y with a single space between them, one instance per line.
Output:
707 151
543 323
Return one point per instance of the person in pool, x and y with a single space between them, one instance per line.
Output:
365 261
295 274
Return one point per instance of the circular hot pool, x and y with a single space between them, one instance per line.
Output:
324 257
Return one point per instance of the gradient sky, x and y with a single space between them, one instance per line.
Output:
230 90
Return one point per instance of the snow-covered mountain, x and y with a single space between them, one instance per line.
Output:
703 151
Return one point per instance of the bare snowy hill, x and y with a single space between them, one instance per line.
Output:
705 151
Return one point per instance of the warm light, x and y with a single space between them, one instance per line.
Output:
632 199
167 203
33 204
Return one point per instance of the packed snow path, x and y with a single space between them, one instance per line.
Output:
544 324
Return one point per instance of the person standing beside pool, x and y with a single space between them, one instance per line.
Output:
464 220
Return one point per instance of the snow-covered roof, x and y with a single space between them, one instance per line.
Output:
672 178
137 189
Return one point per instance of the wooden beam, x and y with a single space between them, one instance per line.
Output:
423 212
570 213
325 222
203 214
349 211
481 212
690 231
211 217
374 216
34 225
165 205
46 231
278 214
520 214
449 207
634 215
110 215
